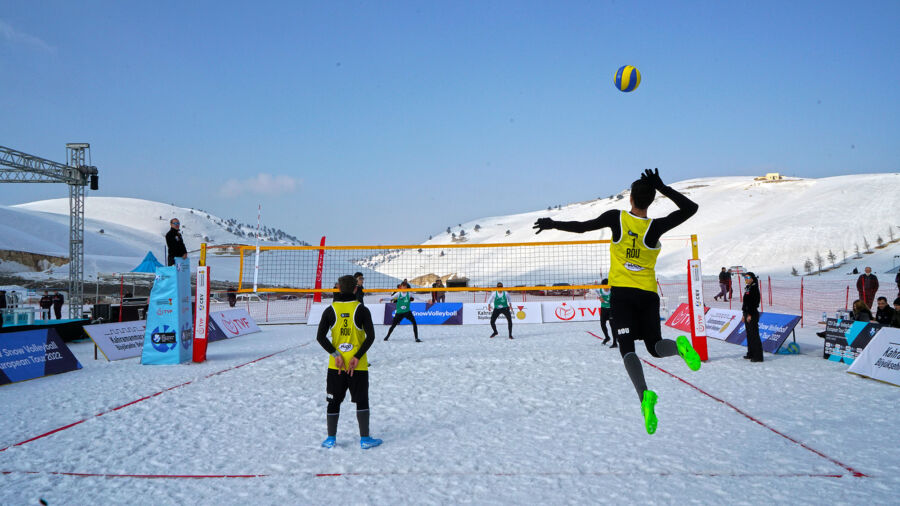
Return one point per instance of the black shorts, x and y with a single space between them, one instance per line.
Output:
358 384
635 314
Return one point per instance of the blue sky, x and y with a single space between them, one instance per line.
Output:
385 122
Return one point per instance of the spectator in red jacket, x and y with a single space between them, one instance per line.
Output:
867 286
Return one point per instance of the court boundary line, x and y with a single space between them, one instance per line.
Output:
854 472
117 408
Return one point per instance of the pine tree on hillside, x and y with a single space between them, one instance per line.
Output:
794 271
879 241
832 257
867 245
808 266
819 261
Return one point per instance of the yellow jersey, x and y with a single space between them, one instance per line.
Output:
633 261
346 337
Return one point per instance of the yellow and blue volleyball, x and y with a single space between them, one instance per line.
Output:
628 78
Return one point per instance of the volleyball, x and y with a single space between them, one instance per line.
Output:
627 78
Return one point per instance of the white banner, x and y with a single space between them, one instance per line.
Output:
315 313
695 296
234 322
202 311
880 359
570 311
720 323
118 340
522 312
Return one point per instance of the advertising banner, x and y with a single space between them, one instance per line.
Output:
118 340
315 313
698 309
201 316
32 354
169 332
880 359
522 312
441 313
230 323
721 323
570 311
681 318
774 328
846 339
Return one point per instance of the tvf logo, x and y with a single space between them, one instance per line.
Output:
236 325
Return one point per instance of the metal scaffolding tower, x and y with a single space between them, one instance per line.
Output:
18 167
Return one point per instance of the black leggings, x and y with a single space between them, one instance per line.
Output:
754 345
496 314
605 317
409 316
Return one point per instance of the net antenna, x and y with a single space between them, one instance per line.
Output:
256 260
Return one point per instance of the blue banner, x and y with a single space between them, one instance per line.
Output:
774 328
441 313
169 333
34 353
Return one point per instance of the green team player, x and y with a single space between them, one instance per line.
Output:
500 302
404 310
634 302
352 333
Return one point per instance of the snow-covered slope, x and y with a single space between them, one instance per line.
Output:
130 228
765 226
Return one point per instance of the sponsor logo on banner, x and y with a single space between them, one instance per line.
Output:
846 339
774 328
31 354
721 323
681 318
169 321
234 322
118 340
880 359
441 313
522 312
164 302
571 311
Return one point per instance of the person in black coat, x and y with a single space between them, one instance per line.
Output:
58 300
358 291
751 317
174 242
885 313
45 303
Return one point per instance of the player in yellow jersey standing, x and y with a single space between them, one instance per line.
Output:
352 333
634 302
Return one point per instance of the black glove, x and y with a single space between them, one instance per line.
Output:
543 224
652 177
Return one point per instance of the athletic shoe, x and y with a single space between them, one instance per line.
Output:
418 340
756 360
368 442
647 405
492 335
614 345
687 352
386 338
606 340
329 442
510 337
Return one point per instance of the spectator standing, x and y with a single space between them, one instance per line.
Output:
724 277
897 280
174 242
750 309
360 295
867 286
2 306
58 301
884 314
438 296
231 295
45 303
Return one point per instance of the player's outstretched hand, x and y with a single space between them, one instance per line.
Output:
652 177
339 363
543 224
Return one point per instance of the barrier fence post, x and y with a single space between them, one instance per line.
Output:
847 300
801 302
770 290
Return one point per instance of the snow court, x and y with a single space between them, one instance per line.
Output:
549 417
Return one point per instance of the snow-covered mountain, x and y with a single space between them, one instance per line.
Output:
766 226
118 231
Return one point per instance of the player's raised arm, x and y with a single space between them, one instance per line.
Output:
686 206
609 219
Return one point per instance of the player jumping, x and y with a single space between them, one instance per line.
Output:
632 276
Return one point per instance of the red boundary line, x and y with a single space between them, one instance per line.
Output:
389 473
753 419
64 427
